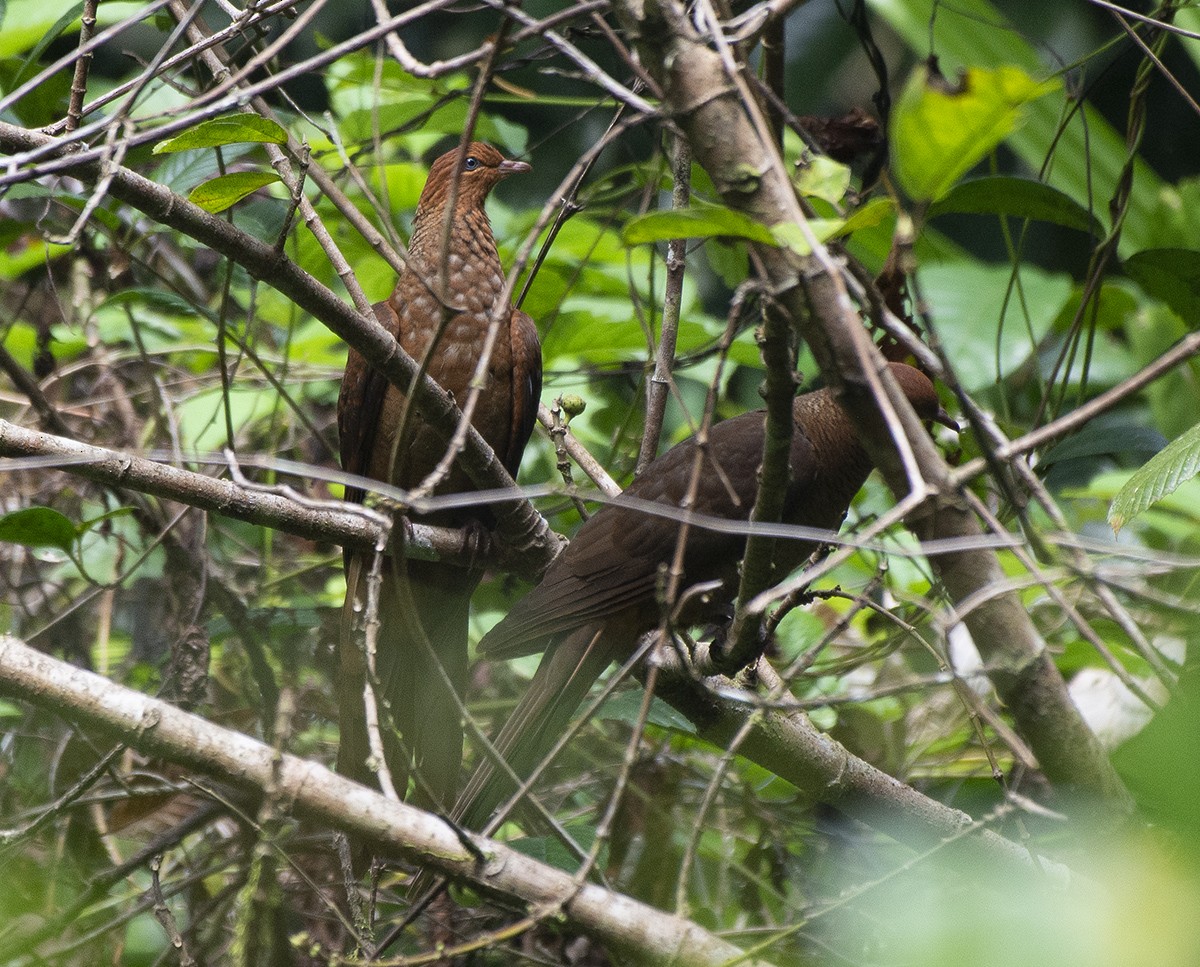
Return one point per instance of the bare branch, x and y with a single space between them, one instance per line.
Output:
156 728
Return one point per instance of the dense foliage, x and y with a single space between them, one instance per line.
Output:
1033 223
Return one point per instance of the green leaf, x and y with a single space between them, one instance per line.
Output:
823 178
29 22
45 103
1161 475
428 118
788 234
1105 438
1168 792
1019 197
159 300
183 171
1119 438
202 416
627 707
1149 331
941 131
219 193
985 339
1088 153
730 262
51 35
38 527
867 216
699 221
587 330
549 850
92 522
1173 212
235 129
1171 275
27 253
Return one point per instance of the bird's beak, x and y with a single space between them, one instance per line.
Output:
946 420
507 167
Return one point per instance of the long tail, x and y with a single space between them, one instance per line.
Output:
423 616
559 686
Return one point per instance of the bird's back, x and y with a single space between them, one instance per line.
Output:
614 561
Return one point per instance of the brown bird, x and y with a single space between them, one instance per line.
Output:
424 606
599 596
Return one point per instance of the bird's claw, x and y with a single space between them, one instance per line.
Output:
477 545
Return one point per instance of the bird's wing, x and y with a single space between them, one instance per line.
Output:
526 386
558 606
612 564
359 404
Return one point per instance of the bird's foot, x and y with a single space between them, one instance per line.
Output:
477 545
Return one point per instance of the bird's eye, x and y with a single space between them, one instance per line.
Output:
471 163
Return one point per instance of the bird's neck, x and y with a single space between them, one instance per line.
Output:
469 235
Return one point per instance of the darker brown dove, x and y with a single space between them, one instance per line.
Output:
600 595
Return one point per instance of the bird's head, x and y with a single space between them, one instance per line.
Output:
921 394
477 170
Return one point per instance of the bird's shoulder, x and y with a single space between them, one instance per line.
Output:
526 359
726 477
360 400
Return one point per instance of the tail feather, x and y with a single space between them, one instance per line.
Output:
421 667
559 686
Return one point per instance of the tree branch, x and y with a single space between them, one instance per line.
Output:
156 728
518 523
784 741
324 522
726 133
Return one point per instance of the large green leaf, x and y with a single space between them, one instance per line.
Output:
940 131
1120 438
601 331
982 338
27 252
28 23
823 178
1171 275
1018 197
867 216
202 416
789 234
1173 211
1161 475
184 170
1111 437
234 129
627 706
699 221
1086 153
157 299
38 527
1160 765
716 221
433 117
222 192
44 103
30 63
548 849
